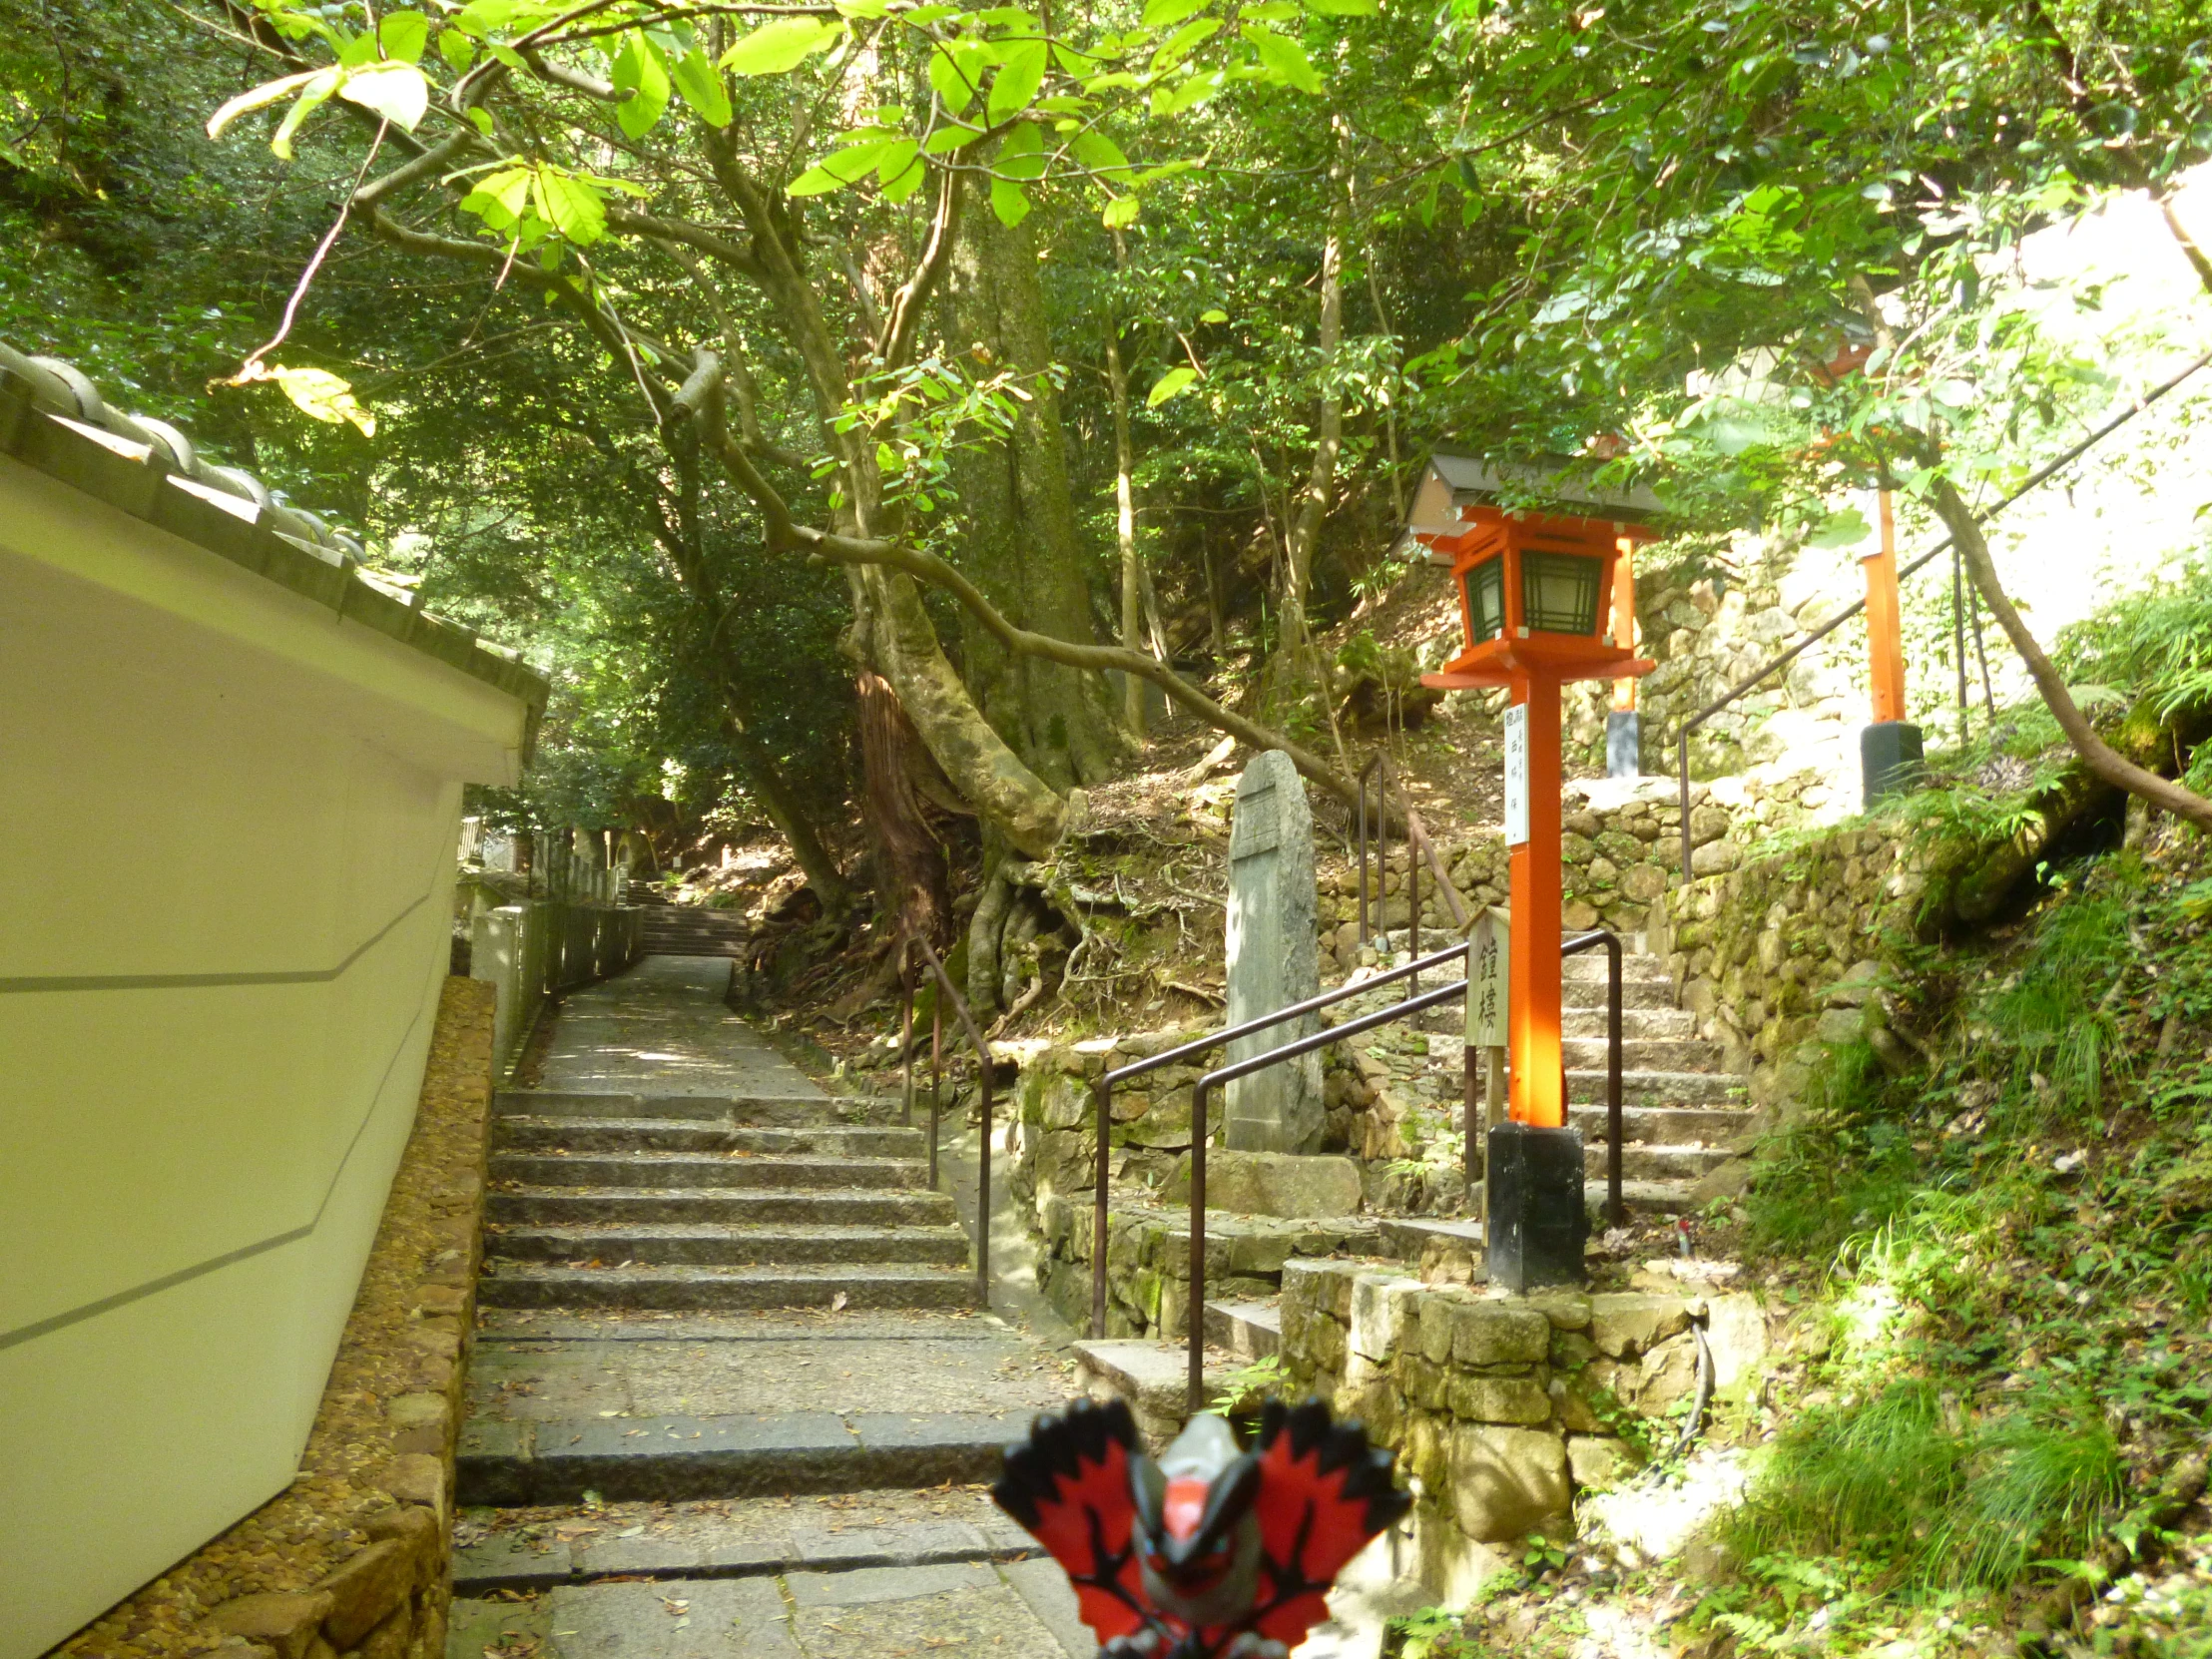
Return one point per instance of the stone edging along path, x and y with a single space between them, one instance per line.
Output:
353 1558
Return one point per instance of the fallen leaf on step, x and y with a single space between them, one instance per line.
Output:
837 1301
630 1532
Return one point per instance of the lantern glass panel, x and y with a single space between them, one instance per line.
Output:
1486 601
1560 592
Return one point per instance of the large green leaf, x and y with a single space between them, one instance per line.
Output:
570 205
1009 202
640 72
1283 59
700 81
402 35
954 73
268 93
840 168
1019 79
780 46
1173 384
1021 156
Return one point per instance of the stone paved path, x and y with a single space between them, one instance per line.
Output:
734 1393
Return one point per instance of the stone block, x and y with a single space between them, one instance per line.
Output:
1436 1322
1626 1323
286 1623
1716 858
1519 1400
1272 956
1597 1459
417 1410
1668 1374
1325 1286
1570 1398
1421 1382
1274 1183
1736 1330
416 1479
367 1589
1499 1334
1385 1315
1506 1483
390 1639
1566 1310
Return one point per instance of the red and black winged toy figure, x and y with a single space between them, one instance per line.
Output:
1211 1553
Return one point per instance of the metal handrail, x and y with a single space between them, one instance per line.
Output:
2040 476
1616 1212
1598 939
1400 1009
1103 1094
945 992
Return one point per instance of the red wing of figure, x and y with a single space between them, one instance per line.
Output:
1211 1553
1324 1492
1068 1484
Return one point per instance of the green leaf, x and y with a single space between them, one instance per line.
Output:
1841 529
1283 59
700 81
320 394
780 46
315 95
397 92
1273 11
1179 45
261 97
457 50
840 168
1009 202
1021 156
1343 8
1215 314
570 205
1019 79
1194 90
403 35
1170 384
899 171
1120 212
640 72
947 138
1100 154
954 73
864 8
1165 14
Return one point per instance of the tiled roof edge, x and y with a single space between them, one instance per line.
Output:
154 474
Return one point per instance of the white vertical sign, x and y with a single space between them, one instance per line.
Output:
1486 982
1516 774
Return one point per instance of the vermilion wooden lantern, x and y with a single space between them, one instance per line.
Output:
1544 597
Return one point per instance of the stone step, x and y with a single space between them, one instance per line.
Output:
640 1459
1586 995
803 1108
706 1243
719 1207
1643 1053
1649 1162
1658 1088
769 1541
1153 1376
677 1169
1659 1024
1247 1330
1590 966
517 1133
1643 1198
1662 1125
508 1284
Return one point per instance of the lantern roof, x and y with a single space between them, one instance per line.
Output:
1457 484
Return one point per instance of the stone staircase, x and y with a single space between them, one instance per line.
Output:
691 1203
686 929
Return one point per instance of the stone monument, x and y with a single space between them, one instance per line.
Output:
1273 959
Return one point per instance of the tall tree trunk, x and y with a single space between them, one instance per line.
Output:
1018 518
1320 480
1125 527
909 861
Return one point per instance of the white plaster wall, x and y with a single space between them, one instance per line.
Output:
227 821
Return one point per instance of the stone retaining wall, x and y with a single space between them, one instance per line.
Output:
1503 1408
351 1562
1787 950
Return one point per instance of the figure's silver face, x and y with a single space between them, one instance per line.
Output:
1213 1588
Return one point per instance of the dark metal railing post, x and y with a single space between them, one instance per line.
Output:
1104 1093
937 1081
1404 1008
907 1043
1364 770
1195 1400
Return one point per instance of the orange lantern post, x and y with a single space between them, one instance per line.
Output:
1537 601
1889 746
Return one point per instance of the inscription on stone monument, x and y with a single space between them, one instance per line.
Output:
1273 959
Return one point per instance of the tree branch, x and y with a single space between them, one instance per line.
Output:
896 341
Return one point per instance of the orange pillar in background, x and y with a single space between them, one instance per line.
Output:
1624 618
1537 1096
1884 625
